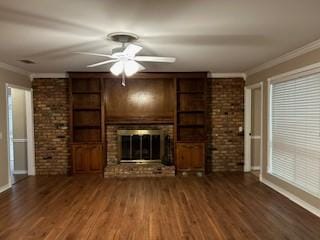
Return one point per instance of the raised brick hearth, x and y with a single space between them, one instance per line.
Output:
139 170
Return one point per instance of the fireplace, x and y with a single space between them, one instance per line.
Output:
140 146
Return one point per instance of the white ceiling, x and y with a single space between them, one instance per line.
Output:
204 35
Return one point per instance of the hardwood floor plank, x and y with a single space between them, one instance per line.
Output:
222 206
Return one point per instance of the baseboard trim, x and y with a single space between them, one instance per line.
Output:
4 188
20 172
292 197
255 168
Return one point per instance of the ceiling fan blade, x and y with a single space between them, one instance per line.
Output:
155 59
94 54
131 50
102 63
141 68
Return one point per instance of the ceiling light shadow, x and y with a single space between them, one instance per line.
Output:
207 40
68 51
28 19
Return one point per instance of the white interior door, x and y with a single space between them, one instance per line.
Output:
10 131
255 136
19 139
253 127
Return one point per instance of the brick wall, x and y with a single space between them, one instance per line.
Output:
112 137
51 117
226 115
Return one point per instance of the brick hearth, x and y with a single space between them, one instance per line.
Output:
139 170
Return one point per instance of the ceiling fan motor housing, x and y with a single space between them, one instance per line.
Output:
122 37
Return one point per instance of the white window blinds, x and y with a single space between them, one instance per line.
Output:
295 132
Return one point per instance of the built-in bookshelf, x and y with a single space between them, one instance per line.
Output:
191 109
86 123
190 123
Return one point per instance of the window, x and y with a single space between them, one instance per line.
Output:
294 131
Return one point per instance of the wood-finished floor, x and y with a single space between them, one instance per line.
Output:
15 178
223 206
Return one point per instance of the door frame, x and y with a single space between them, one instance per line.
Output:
247 132
30 130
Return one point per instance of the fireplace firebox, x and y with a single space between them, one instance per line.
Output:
140 146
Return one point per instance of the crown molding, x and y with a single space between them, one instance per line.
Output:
310 69
227 75
14 69
48 75
286 57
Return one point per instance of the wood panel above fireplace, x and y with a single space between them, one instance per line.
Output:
142 101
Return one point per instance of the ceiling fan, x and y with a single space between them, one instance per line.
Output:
124 59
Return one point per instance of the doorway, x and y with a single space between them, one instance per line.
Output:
253 129
20 133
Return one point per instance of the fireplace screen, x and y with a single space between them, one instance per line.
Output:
140 146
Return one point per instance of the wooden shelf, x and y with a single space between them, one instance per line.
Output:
192 111
139 123
189 92
85 92
87 109
86 126
195 140
85 142
191 125
88 142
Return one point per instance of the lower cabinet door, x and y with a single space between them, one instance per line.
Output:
79 158
190 156
95 158
87 158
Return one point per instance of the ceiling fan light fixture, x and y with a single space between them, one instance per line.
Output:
130 68
117 68
127 63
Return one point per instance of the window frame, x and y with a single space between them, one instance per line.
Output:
289 76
